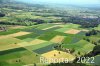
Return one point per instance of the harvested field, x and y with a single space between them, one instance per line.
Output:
37 41
57 39
7 47
58 54
18 34
43 26
23 44
4 36
72 31
8 40
9 43
51 27
34 42
15 34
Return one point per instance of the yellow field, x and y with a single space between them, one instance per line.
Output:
3 36
49 27
72 31
9 46
8 40
34 42
14 35
37 41
18 34
9 43
23 44
58 54
57 39
53 27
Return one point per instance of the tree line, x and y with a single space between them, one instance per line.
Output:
84 22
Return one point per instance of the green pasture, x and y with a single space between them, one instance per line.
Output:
50 34
52 29
45 49
32 35
37 31
63 29
34 47
82 46
9 32
77 45
28 39
43 26
4 52
87 48
94 38
72 25
13 55
23 56
70 39
68 27
97 28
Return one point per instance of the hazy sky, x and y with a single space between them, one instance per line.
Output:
66 1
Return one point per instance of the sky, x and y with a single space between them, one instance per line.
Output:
73 2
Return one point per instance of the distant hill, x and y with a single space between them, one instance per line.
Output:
6 1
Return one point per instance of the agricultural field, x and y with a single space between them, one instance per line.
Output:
35 42
97 28
79 47
29 31
58 54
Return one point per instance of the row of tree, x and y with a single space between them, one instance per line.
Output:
92 32
2 15
84 22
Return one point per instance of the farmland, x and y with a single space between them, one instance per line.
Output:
31 43
31 31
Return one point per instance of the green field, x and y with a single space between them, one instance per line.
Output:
31 29
18 56
68 27
31 48
43 26
97 28
32 35
9 40
81 46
